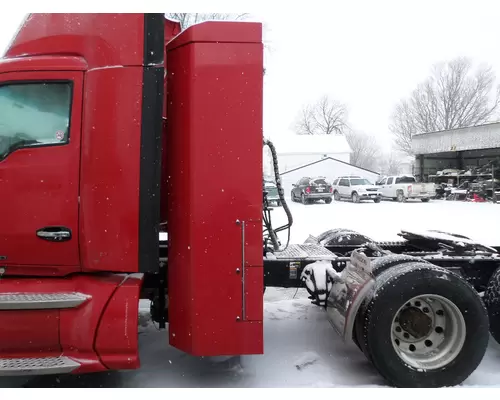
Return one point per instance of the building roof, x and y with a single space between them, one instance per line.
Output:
462 139
310 144
324 159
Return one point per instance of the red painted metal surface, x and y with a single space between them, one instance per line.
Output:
39 188
43 63
116 340
215 129
100 334
109 182
29 332
111 47
103 40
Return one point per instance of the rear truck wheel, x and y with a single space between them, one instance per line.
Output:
355 197
492 301
328 200
376 200
424 326
336 196
425 200
292 197
400 196
303 199
378 266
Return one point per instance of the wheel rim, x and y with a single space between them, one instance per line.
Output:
355 198
400 196
336 196
428 332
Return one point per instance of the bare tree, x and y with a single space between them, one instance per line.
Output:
364 149
325 117
390 164
188 19
453 96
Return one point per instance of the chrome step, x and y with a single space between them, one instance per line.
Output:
37 366
40 301
306 252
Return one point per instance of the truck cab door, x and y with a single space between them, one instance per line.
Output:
40 123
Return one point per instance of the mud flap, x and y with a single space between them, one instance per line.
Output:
347 294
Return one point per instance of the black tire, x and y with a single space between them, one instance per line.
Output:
328 200
393 291
376 200
425 200
379 265
303 199
336 196
492 301
355 197
400 196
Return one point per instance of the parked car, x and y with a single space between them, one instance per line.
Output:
355 188
403 187
272 193
308 190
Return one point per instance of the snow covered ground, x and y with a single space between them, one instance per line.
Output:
301 349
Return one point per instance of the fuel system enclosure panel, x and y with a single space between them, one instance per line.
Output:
214 163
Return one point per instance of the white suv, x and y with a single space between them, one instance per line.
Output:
355 188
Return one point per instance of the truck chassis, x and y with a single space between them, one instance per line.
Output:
407 305
342 270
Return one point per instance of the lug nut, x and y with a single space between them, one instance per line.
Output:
439 329
398 329
428 343
417 304
406 335
412 347
425 310
440 312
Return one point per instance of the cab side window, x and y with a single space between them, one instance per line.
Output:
34 114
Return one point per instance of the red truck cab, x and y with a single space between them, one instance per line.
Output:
90 166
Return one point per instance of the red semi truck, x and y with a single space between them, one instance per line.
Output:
131 167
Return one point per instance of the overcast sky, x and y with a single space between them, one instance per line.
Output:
367 54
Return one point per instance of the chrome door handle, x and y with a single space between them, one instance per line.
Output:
54 234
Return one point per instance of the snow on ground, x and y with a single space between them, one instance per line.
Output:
383 221
301 348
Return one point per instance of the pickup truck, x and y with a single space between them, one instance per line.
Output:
405 187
